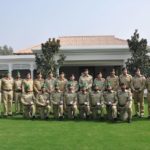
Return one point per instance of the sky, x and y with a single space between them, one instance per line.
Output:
25 23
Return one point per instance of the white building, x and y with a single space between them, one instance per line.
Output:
98 53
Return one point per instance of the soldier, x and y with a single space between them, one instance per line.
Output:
70 102
28 100
87 79
18 93
110 100
148 94
83 102
62 81
138 86
113 80
50 82
43 103
28 82
73 82
97 103
124 103
57 102
38 83
100 82
125 78
7 94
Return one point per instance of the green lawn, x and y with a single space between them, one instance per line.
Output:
19 134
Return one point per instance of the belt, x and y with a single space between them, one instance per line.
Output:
7 90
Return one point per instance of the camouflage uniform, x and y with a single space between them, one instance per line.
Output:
28 100
27 83
50 84
17 95
62 84
57 103
70 101
43 105
148 94
110 100
125 104
100 83
74 84
113 81
0 98
137 86
97 104
87 80
7 95
126 79
83 104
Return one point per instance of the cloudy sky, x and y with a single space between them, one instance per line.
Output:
25 23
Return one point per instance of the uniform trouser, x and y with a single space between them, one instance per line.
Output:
139 102
148 101
71 111
7 97
18 104
29 111
111 111
57 111
123 110
84 110
44 111
97 111
0 103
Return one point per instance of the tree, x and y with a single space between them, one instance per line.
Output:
50 59
139 57
5 50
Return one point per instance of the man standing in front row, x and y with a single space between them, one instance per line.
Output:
124 103
7 94
148 94
137 86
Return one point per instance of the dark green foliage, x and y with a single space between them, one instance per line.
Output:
5 50
139 57
49 59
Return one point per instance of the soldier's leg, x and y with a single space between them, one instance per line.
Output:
16 96
87 110
136 103
102 110
94 112
5 99
25 112
55 111
75 110
42 112
10 99
68 110
20 104
81 112
60 110
47 111
141 100
32 109
114 112
148 101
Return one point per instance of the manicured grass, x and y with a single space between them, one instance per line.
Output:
19 134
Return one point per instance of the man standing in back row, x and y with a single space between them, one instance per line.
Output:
137 86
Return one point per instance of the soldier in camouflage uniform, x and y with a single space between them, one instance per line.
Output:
138 86
38 83
124 103
62 81
18 93
7 94
28 101
110 100
0 97
87 79
125 78
83 102
100 82
57 102
113 80
97 102
148 94
43 103
28 82
73 82
70 102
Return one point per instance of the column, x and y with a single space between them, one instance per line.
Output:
31 70
10 69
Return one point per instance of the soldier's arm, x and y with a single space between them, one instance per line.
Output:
23 101
132 85
115 98
143 84
34 87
